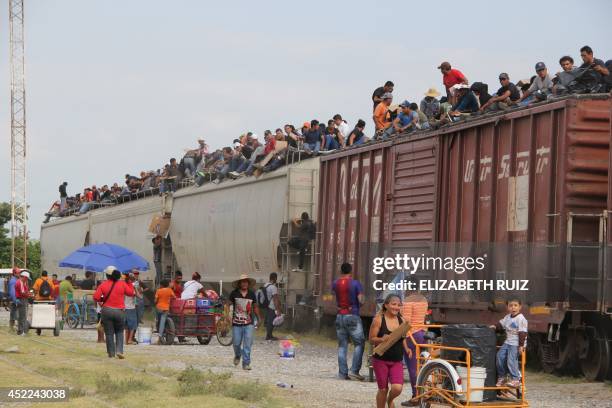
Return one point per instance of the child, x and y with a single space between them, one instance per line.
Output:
515 326
162 304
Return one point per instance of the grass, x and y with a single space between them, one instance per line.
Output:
196 382
95 380
105 385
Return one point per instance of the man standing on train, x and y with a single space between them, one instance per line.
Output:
349 296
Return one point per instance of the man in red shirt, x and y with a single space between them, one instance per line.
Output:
451 76
22 293
177 287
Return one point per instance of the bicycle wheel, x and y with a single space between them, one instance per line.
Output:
436 386
224 331
72 316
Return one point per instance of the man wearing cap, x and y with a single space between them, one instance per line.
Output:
430 105
381 116
540 88
403 122
313 137
22 294
377 96
245 308
467 102
506 96
451 76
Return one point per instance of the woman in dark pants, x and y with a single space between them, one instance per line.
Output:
110 295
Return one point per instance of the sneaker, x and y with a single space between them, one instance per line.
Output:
356 377
120 356
500 382
514 383
236 361
247 367
343 377
410 403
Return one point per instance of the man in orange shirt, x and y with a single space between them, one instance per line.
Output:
44 287
382 119
162 304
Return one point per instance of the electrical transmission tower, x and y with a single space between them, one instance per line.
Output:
19 205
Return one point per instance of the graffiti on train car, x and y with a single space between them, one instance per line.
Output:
522 165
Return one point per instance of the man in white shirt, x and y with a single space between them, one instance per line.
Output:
191 288
269 302
342 127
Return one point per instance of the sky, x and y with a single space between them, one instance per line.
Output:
116 86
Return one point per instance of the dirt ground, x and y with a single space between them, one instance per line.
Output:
311 376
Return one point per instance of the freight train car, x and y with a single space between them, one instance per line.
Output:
242 226
126 224
527 189
220 230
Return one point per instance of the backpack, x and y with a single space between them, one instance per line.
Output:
45 289
262 296
310 230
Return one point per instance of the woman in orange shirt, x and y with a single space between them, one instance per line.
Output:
414 308
162 304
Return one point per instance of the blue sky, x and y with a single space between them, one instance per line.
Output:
116 87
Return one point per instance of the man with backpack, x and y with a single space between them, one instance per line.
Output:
44 288
306 233
269 303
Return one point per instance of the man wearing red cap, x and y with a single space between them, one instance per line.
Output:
22 293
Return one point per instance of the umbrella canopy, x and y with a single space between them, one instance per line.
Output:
96 257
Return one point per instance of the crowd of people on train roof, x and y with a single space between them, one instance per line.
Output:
253 154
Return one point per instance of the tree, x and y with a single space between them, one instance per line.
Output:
5 243
5 240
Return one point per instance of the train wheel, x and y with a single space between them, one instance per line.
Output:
594 354
556 356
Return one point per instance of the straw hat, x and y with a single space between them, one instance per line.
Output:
432 92
242 277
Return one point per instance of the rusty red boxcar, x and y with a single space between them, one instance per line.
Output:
535 180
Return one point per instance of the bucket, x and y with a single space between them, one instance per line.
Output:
144 335
286 349
477 380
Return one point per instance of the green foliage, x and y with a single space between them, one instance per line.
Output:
192 381
5 243
108 387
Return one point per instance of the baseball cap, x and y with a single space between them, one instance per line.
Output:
237 144
503 75
404 104
387 95
539 66
306 125
254 136
25 273
445 65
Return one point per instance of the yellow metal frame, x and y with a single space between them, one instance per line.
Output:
448 395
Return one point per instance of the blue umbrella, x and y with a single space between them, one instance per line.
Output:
96 257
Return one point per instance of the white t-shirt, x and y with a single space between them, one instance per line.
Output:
129 302
512 326
190 289
344 129
271 290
